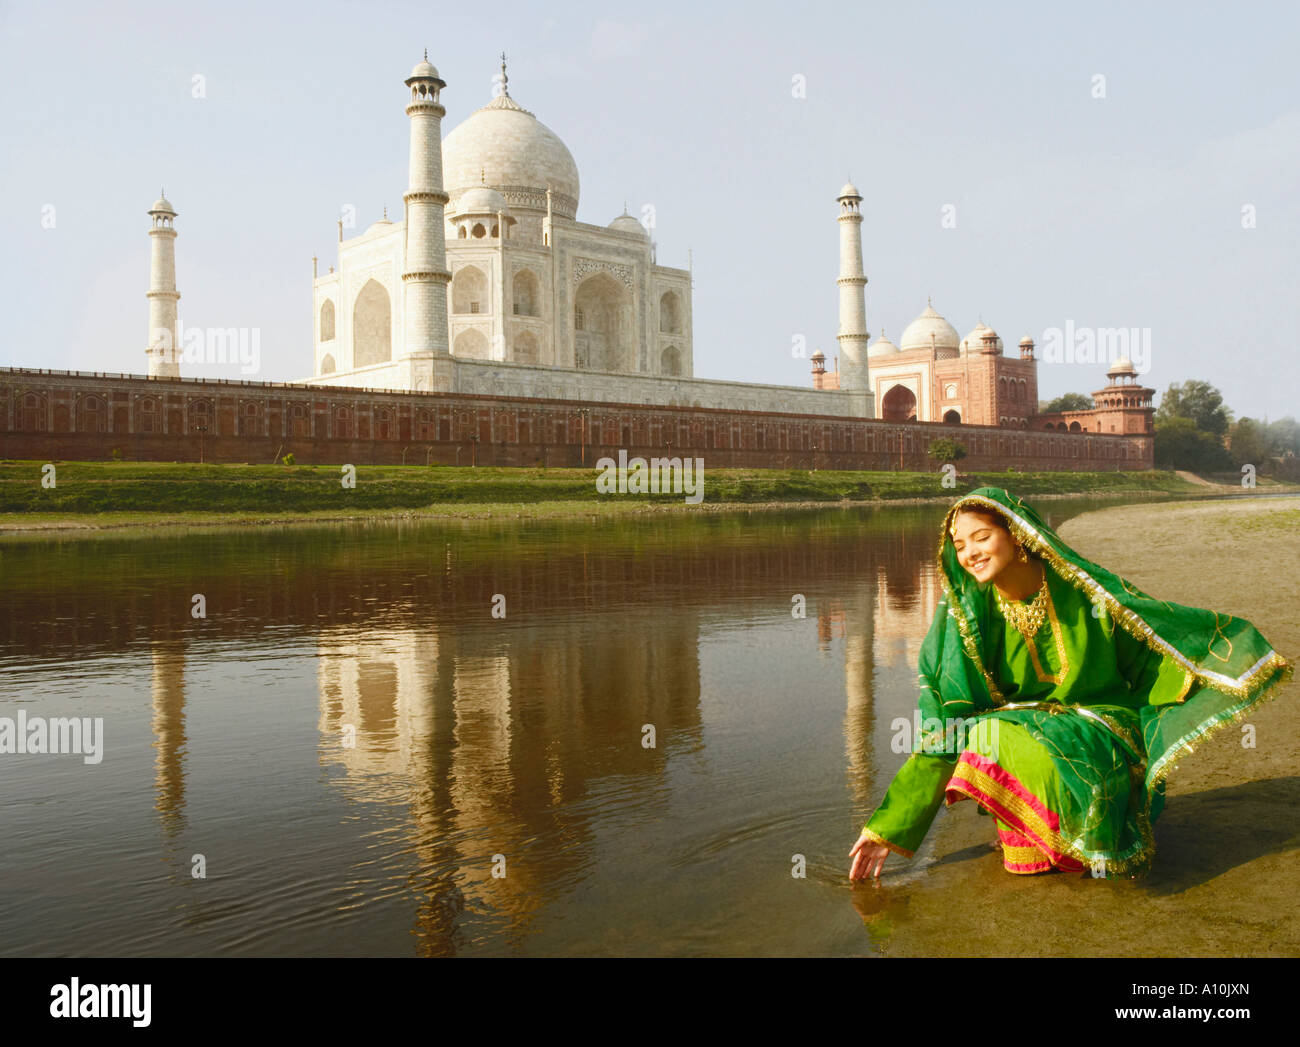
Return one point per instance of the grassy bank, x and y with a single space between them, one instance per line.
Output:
105 493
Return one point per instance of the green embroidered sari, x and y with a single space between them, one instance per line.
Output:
1113 688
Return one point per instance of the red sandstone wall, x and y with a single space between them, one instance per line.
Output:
253 422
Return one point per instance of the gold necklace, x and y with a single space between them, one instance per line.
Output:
1026 618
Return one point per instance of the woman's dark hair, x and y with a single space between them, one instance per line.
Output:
993 517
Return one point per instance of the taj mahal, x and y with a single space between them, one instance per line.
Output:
491 285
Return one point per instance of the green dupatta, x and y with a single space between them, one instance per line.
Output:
1210 668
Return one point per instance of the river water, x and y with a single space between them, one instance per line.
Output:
475 738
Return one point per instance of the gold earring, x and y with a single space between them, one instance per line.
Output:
1020 553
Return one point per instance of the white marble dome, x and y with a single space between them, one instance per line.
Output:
625 223
849 190
929 329
973 342
505 146
882 346
481 200
162 204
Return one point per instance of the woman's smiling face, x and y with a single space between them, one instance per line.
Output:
984 546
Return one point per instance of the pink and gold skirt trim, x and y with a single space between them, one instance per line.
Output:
1028 829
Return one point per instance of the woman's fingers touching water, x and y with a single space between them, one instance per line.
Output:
868 859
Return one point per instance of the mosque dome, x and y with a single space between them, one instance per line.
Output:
505 146
972 340
425 68
882 346
927 330
849 190
1123 365
481 200
625 223
162 204
975 340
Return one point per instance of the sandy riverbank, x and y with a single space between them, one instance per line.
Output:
1225 877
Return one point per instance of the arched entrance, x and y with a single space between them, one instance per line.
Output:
602 325
469 291
899 405
528 295
670 314
372 326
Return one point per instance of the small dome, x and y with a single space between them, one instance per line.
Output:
849 190
882 346
163 206
1026 340
481 201
818 355
383 223
625 223
974 341
424 69
929 330
1122 366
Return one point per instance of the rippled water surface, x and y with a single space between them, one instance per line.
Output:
365 760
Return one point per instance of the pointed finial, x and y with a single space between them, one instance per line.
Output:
385 212
482 176
929 301
426 54
505 80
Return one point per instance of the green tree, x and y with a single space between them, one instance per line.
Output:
946 449
1069 402
1249 443
1199 402
1283 436
1179 444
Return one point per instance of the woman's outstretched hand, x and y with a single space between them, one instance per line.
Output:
868 857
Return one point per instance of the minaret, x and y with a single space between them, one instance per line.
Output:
425 274
852 282
163 352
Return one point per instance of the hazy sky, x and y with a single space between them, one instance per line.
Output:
1071 209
